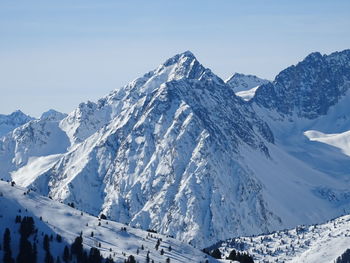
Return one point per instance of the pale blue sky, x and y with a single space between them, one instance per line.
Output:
56 54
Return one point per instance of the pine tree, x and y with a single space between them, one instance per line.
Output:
77 248
131 259
58 238
48 257
27 226
216 253
66 254
46 243
7 258
109 259
95 256
35 253
25 253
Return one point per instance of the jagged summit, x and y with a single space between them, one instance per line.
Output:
92 116
309 88
184 65
11 121
313 56
178 57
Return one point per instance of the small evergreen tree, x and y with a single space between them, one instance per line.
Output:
48 257
35 253
66 255
27 227
58 238
95 256
7 257
131 259
109 259
77 248
344 258
25 254
216 253
46 243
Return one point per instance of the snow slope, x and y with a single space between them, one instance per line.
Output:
339 140
61 219
247 95
322 243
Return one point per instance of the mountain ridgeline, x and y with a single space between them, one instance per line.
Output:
178 152
309 88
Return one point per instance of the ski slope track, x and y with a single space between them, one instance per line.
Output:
177 151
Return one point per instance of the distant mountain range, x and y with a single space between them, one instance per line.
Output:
178 151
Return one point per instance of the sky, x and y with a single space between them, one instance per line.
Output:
56 54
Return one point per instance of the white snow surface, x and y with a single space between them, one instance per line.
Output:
339 140
322 243
247 95
61 219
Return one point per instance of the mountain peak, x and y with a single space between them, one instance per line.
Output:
310 87
52 114
11 121
182 59
313 56
18 114
187 55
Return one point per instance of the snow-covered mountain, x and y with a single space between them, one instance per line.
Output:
317 243
159 159
53 218
37 139
12 121
245 86
177 151
307 108
53 115
309 88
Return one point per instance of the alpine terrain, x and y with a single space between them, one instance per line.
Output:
178 152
